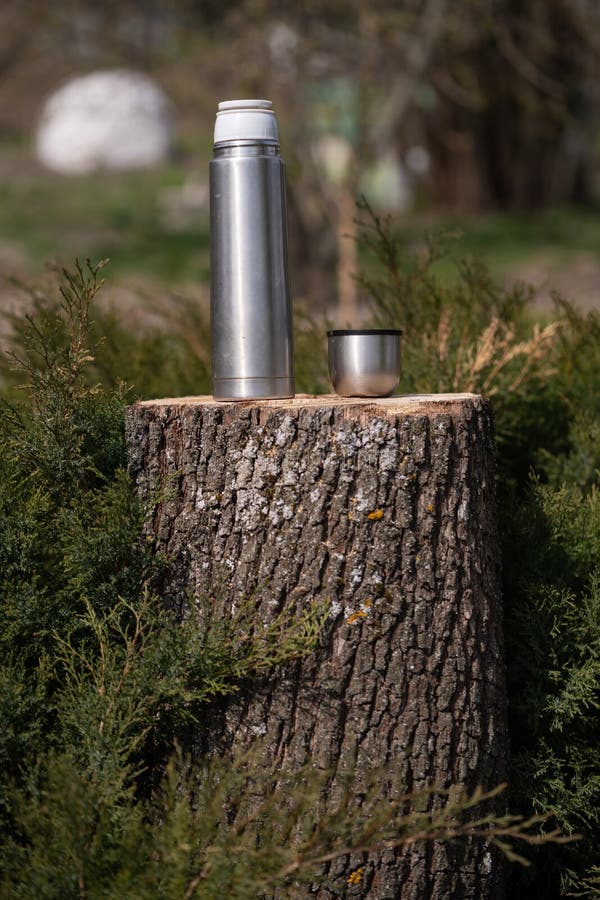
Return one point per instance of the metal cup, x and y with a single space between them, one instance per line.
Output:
364 362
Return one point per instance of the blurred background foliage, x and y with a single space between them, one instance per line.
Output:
478 115
475 125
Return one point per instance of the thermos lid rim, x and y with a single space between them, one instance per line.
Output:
244 104
239 120
343 332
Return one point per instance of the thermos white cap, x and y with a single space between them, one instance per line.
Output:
246 120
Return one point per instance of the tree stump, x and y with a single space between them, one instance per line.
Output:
386 509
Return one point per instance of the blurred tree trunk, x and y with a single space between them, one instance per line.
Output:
521 135
348 313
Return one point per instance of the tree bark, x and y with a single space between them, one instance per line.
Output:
386 509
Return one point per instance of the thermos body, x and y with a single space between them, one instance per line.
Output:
251 320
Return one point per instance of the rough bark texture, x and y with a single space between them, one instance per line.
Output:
276 497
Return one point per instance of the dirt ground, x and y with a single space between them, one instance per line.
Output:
576 279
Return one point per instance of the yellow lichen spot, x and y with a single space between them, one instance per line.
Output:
376 514
367 604
430 507
355 616
357 876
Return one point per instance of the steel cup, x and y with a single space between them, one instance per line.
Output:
364 362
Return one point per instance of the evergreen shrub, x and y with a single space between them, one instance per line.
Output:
471 333
97 680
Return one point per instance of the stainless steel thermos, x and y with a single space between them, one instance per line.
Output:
251 319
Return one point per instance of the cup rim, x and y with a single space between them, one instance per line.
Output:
342 332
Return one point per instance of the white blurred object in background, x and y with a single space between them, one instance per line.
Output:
386 184
417 160
116 119
334 154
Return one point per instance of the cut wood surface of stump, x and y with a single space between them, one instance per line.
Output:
384 510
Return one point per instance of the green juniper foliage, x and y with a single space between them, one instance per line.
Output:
553 649
97 679
470 333
167 356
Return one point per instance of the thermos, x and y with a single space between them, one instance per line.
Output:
251 319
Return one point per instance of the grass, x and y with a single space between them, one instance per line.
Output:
509 236
506 240
48 217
